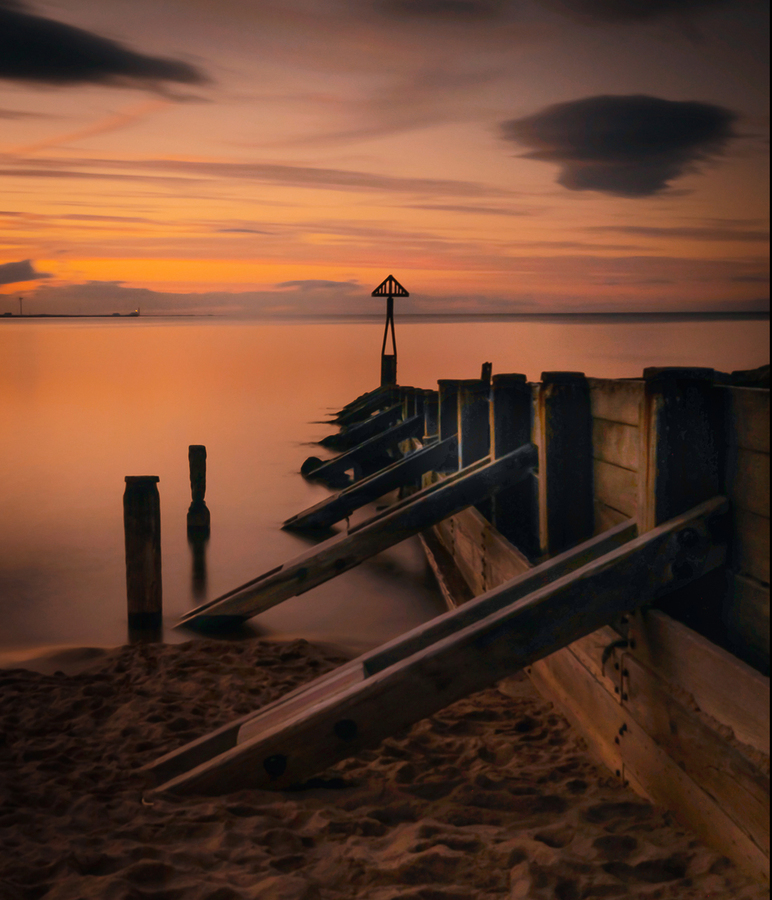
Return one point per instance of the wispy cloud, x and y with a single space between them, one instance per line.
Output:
627 146
294 176
689 233
37 49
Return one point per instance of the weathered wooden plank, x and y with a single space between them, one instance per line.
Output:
637 758
749 409
749 488
455 591
563 679
747 620
468 555
498 597
723 686
616 487
606 517
616 400
343 552
750 550
739 788
357 434
500 644
339 506
369 448
616 443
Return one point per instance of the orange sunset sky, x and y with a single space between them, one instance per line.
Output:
252 157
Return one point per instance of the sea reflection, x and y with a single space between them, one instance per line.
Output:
85 404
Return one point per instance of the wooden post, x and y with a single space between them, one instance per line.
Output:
448 411
388 369
515 509
198 514
431 414
474 421
566 508
142 528
684 419
685 441
485 374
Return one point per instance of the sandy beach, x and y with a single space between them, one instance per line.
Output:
495 797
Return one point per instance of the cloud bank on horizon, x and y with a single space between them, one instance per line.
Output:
341 140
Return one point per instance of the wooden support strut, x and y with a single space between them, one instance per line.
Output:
399 473
393 525
350 437
377 444
381 399
347 711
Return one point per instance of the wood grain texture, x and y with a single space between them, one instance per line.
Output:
615 487
615 443
749 408
750 550
749 486
606 517
616 400
723 686
747 619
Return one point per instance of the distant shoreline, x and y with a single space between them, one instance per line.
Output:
428 318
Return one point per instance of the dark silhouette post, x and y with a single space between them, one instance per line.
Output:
431 414
389 288
142 528
198 514
448 415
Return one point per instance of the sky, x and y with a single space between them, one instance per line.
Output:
282 157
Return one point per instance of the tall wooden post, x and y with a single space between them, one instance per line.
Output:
685 464
566 508
515 509
142 529
473 421
448 411
431 414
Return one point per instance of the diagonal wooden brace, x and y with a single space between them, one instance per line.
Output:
349 710
343 552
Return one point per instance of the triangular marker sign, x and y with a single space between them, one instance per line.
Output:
390 287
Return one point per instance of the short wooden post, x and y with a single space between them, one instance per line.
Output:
198 514
142 529
515 509
566 508
487 370
473 420
448 411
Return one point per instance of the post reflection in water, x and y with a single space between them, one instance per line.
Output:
198 538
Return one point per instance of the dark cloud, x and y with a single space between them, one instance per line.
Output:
16 272
465 10
242 231
629 146
37 49
320 284
632 10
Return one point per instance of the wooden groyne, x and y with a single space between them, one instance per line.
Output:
610 537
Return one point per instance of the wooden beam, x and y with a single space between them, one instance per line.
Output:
381 399
350 437
373 447
278 749
340 506
395 524
448 409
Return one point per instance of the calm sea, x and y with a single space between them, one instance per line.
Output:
84 403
